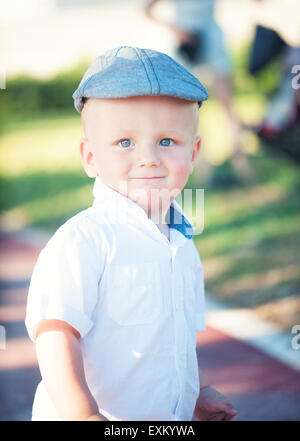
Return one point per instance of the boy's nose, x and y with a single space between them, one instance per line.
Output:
147 156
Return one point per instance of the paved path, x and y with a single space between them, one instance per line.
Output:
259 386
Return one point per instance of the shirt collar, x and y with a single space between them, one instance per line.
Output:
116 204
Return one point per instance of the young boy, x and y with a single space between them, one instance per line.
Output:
116 296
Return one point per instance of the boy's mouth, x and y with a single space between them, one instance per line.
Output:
152 177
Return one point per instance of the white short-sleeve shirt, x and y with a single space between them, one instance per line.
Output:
136 298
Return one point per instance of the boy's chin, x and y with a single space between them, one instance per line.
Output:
155 208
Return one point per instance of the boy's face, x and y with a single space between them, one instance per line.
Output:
146 143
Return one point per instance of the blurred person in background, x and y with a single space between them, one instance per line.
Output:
200 43
277 35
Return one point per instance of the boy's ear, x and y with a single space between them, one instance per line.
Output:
87 158
196 150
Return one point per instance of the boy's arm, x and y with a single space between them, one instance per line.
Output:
61 365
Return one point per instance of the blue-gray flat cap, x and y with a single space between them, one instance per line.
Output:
128 71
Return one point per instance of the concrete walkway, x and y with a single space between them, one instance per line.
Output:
260 386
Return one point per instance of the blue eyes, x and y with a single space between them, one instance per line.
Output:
165 142
125 142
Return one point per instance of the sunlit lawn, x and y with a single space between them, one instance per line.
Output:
42 178
250 243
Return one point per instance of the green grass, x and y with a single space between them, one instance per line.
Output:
41 176
250 245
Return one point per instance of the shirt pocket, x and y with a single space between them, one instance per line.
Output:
135 294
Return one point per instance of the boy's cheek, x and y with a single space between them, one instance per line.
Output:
182 172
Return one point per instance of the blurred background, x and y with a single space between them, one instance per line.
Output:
247 54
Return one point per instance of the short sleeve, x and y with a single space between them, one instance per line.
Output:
65 279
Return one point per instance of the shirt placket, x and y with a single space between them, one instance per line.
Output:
180 332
